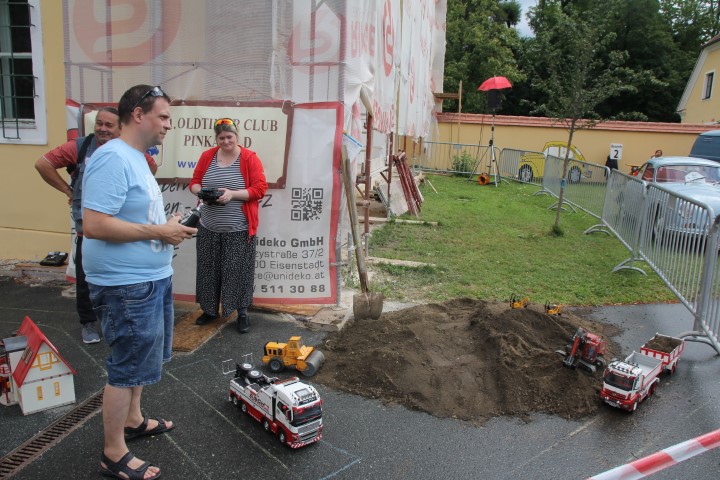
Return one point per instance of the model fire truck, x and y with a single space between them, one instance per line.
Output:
628 382
289 408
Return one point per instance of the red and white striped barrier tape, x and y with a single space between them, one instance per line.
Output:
662 459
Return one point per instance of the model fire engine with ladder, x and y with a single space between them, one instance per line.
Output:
288 408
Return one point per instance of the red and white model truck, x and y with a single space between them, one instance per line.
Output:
289 408
628 382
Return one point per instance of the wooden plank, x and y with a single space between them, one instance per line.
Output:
398 204
187 336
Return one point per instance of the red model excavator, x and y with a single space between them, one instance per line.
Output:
587 351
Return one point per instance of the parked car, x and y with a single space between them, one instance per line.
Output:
532 164
695 178
676 170
707 145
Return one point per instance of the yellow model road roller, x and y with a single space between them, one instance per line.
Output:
306 360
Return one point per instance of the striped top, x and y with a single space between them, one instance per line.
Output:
229 217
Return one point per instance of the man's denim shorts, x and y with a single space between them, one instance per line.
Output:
137 322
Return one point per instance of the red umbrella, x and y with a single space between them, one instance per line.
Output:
495 83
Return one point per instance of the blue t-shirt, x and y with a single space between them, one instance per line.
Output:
118 182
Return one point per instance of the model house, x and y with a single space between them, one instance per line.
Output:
32 372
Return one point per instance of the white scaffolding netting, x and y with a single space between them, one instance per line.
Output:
294 75
303 51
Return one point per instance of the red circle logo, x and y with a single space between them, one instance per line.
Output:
108 41
318 48
388 38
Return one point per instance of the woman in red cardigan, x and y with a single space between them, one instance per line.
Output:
228 225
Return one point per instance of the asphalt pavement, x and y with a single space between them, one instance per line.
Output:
363 438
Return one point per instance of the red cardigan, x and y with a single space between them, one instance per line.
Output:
254 175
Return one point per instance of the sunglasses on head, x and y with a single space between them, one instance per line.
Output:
153 92
224 121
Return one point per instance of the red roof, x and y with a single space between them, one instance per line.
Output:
35 339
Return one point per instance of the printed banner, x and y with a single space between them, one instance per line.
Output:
296 240
262 128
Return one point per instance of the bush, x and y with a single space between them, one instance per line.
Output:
463 164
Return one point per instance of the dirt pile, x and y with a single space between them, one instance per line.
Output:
465 359
662 343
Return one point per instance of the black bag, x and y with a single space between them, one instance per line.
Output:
54 259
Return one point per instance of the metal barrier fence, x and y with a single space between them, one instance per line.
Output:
444 157
677 237
513 164
585 185
707 318
674 249
623 215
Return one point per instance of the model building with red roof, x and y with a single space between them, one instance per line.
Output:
32 372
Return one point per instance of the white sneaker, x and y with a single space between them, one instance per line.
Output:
89 333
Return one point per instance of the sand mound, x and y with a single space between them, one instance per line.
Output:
466 359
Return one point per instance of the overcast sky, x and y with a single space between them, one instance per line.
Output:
523 27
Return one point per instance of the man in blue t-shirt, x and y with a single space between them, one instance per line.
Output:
72 155
127 256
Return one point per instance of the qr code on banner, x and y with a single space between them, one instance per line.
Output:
306 204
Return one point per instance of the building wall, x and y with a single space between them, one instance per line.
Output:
34 218
697 110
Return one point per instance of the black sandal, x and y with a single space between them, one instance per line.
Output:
114 469
141 430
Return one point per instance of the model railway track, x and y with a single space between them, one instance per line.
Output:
44 440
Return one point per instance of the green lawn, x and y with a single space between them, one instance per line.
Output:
492 242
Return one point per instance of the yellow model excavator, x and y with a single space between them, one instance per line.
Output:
517 302
554 308
306 360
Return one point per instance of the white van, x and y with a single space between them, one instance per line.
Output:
707 145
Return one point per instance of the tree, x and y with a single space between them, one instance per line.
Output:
641 31
577 72
693 22
510 12
662 39
646 35
479 46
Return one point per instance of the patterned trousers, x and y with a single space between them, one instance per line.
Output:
225 270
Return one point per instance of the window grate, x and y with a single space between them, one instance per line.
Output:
17 82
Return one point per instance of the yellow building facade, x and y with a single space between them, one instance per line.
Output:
34 218
700 102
